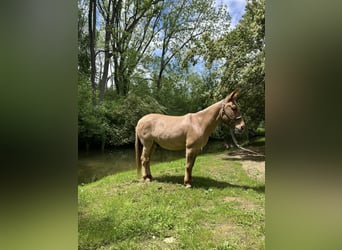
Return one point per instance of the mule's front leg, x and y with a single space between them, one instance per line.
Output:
190 160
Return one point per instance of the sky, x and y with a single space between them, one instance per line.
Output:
236 9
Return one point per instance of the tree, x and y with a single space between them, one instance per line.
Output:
107 10
243 53
129 27
83 41
245 62
92 42
91 122
183 22
147 50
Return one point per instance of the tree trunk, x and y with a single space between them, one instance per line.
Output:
92 42
166 41
108 55
159 80
104 77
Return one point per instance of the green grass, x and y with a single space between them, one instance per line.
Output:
223 210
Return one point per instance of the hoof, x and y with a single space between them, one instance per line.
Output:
188 185
148 178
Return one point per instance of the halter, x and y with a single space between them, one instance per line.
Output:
224 113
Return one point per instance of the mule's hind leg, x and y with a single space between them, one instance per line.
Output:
145 160
190 160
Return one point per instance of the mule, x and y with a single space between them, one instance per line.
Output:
190 132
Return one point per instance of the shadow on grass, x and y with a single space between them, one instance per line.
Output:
240 155
243 157
206 183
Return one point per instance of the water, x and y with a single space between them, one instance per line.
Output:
93 166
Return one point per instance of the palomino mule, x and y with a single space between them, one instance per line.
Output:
190 132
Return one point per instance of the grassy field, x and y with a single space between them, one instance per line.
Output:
223 210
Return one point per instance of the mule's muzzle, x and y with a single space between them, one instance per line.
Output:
239 129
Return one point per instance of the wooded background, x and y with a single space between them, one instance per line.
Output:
165 56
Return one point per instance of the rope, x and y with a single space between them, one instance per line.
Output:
240 147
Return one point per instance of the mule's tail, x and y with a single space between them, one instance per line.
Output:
138 152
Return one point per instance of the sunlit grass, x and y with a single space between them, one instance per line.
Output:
223 210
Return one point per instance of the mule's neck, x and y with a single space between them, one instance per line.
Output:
210 117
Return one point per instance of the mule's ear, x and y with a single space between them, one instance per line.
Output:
236 94
232 96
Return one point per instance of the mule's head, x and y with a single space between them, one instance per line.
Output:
230 113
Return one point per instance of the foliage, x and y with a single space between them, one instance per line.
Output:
224 210
83 41
241 55
171 57
182 25
179 96
91 124
244 52
123 115
129 29
114 119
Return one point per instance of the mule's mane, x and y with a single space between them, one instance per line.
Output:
209 107
211 113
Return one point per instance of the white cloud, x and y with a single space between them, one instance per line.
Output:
236 9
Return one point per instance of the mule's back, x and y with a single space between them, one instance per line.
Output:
167 131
